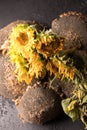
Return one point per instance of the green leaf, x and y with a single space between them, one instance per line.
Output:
72 113
84 99
65 103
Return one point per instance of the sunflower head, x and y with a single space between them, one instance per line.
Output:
31 50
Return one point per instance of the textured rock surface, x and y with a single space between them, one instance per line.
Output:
62 88
10 87
73 27
39 105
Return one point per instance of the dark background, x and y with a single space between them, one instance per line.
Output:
42 11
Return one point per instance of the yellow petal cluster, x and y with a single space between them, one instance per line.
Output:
31 50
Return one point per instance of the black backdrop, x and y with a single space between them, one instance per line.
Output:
42 11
